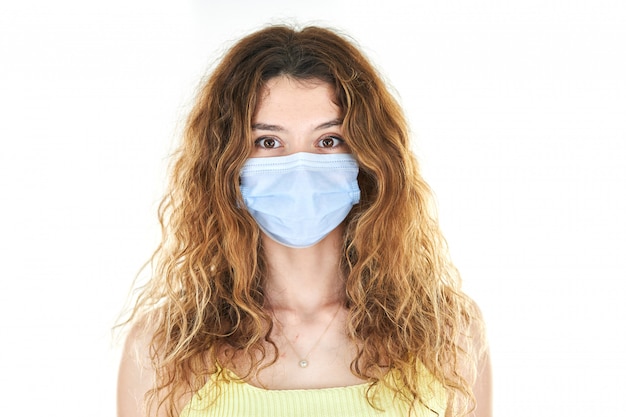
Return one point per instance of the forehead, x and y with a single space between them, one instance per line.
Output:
288 97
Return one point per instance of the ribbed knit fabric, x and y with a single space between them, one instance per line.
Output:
240 399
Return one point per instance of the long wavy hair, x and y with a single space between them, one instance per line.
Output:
206 294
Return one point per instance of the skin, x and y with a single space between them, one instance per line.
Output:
483 390
304 286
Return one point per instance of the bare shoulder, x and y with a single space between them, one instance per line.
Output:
476 370
483 381
136 375
483 388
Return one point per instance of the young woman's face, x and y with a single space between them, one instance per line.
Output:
296 116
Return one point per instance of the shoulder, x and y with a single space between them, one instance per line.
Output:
136 375
483 382
474 342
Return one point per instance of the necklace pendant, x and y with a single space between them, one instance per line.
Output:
303 363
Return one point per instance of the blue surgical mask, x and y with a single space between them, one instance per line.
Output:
298 199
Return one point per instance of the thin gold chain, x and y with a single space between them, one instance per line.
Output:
304 360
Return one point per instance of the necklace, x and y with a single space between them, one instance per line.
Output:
304 360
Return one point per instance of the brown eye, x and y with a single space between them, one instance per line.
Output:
327 143
267 143
330 142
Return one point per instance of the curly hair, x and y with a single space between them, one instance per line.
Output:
206 294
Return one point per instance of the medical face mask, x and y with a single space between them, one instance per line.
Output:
298 199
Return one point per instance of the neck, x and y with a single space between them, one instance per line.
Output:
304 280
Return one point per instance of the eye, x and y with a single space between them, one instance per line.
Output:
330 142
267 142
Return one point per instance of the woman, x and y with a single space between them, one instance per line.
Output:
302 271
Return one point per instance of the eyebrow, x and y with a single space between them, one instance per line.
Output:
277 128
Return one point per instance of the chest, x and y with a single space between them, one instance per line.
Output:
326 366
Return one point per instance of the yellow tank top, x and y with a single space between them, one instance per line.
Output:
236 398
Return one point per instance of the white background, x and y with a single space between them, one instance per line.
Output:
518 111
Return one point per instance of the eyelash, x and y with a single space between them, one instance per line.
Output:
340 141
259 142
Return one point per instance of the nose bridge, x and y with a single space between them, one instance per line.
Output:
300 140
